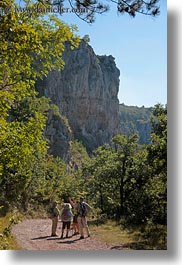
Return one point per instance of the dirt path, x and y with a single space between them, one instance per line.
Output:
34 234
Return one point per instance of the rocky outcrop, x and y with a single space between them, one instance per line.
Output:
59 135
86 93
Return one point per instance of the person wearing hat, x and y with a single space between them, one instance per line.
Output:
54 217
66 217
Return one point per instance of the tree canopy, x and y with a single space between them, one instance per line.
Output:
121 178
130 180
131 7
30 46
87 10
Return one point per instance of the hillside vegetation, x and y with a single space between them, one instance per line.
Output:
122 179
135 119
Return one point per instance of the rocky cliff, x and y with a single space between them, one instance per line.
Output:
86 93
59 134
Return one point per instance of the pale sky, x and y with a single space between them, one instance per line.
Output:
139 46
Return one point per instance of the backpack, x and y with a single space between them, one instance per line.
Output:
50 212
65 216
83 209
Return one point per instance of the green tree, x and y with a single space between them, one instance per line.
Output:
147 197
79 155
125 147
30 46
99 181
137 202
157 159
107 174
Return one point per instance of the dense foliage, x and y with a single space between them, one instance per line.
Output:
126 179
136 120
120 179
30 46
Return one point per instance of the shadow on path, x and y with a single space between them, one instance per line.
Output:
68 241
40 237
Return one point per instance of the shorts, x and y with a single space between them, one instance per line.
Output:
66 225
75 219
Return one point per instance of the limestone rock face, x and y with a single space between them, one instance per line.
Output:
59 135
86 93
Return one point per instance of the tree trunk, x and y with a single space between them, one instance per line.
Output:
101 199
122 188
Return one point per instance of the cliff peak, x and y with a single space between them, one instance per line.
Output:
86 93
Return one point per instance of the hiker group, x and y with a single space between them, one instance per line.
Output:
74 212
